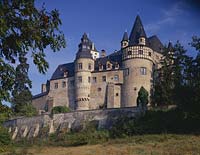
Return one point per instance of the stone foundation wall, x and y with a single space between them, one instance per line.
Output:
33 126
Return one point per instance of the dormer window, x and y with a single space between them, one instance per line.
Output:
116 66
100 67
142 41
65 74
108 65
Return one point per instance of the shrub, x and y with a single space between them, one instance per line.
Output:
28 110
60 109
5 137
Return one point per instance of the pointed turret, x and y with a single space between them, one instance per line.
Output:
138 34
125 36
124 42
84 48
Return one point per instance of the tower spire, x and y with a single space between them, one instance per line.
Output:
137 32
125 36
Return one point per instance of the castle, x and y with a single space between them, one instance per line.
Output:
95 81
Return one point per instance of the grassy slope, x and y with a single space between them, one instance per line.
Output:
136 145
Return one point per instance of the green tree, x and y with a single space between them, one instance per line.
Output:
25 30
142 99
163 83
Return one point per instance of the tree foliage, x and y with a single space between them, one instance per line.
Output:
179 82
142 99
25 31
60 109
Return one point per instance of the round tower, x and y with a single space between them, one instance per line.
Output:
84 65
137 63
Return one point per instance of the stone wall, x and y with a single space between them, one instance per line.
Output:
33 126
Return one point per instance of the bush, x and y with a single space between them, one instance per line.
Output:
5 137
60 109
28 110
89 135
157 122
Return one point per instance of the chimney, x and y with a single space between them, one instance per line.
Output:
93 46
103 53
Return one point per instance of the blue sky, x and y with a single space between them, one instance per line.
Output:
106 20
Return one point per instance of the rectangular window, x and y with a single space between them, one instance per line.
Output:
89 66
116 77
104 78
126 72
80 65
63 84
89 79
143 71
56 85
72 82
94 79
79 79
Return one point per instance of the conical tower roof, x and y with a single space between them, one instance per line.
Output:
125 36
137 32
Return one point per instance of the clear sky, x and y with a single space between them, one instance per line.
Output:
106 20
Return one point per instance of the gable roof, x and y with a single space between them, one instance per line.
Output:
59 72
155 43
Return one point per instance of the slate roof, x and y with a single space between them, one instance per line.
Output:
59 72
125 36
155 44
84 48
137 32
114 58
40 95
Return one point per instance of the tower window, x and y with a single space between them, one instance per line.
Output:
79 79
116 77
72 82
104 78
117 94
99 89
143 71
89 79
94 79
89 66
56 85
63 84
126 72
140 51
80 66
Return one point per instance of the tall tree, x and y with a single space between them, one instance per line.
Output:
25 29
163 84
